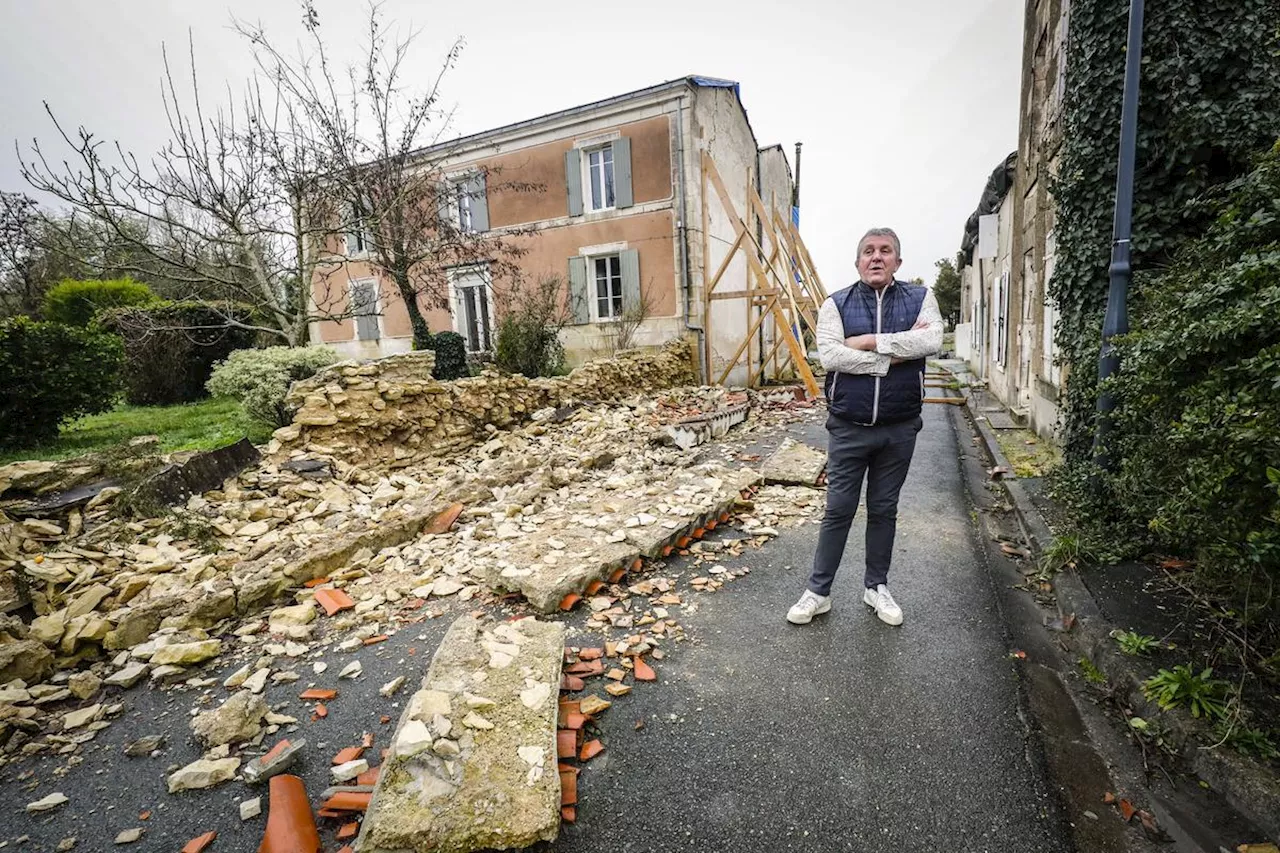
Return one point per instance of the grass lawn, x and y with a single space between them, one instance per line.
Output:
191 426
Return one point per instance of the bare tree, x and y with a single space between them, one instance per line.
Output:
381 154
250 199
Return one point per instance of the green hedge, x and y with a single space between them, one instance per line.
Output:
1198 422
50 374
75 303
260 378
451 356
171 347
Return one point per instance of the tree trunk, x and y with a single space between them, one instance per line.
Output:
421 333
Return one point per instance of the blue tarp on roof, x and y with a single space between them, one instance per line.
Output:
717 83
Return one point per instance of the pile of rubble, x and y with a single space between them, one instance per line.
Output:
549 502
392 410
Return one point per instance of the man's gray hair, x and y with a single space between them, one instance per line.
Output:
882 232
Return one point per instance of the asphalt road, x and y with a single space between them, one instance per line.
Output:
845 734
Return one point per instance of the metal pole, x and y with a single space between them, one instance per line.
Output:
1117 319
795 193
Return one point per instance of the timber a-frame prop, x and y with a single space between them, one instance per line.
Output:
782 285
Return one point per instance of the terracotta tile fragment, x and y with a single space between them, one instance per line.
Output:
568 814
200 843
334 600
666 550
586 669
590 750
572 683
351 753
643 671
321 711
367 740
274 751
1126 810
145 815
591 705
370 776
618 575
348 830
617 689
444 520
330 813
594 587
591 654
315 582
566 743
379 638
346 848
568 788
570 706
384 719
347 801
683 542
574 721
616 674
319 694
568 602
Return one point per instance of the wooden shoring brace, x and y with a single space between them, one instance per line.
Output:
757 286
807 282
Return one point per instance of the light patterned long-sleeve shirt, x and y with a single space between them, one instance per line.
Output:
835 355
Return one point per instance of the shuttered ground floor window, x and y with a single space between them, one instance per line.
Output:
472 311
364 305
604 287
608 279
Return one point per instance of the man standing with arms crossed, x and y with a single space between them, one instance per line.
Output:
873 339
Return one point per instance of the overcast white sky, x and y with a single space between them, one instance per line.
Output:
904 107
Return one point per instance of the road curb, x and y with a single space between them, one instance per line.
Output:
1252 789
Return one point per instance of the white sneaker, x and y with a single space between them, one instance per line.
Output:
882 602
810 605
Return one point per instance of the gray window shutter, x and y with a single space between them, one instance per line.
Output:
365 305
444 204
573 180
622 194
578 306
479 203
630 261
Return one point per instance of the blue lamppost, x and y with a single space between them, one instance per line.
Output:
1117 319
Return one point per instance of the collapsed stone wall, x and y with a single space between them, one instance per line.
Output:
392 410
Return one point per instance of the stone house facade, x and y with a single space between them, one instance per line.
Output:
1008 337
617 214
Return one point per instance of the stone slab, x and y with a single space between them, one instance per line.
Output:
453 786
794 464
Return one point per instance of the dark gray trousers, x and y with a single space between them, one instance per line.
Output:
881 454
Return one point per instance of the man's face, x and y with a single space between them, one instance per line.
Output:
878 261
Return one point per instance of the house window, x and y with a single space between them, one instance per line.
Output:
1001 318
599 178
357 235
473 309
607 273
364 306
461 206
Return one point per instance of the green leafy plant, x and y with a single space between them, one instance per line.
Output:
451 356
75 303
1204 696
1152 733
1247 741
528 339
260 378
1066 549
1133 643
50 374
1092 674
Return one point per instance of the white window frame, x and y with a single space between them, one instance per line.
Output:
459 200
593 292
456 274
588 187
377 309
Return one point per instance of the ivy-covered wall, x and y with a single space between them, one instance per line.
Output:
1210 104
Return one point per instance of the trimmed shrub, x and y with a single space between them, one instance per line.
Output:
260 378
50 374
171 347
451 356
75 303
528 339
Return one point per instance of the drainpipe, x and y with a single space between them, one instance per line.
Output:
683 233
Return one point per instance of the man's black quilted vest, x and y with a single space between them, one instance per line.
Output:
893 398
